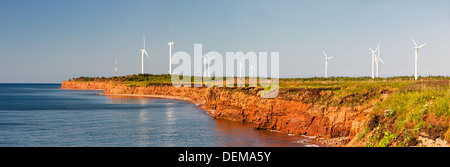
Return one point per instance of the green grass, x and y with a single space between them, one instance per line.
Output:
348 91
416 108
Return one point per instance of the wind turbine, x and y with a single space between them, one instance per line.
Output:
115 69
374 59
205 62
251 70
241 65
416 50
209 65
170 52
143 52
377 58
326 63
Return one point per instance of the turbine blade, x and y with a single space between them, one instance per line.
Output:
330 57
377 47
371 50
422 45
381 60
414 41
171 33
144 40
325 54
146 53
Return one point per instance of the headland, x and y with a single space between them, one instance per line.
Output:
341 111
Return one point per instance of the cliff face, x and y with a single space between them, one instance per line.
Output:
84 85
287 113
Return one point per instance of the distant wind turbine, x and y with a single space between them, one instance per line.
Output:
209 59
326 63
115 69
143 52
170 52
241 66
251 70
378 58
374 59
416 50
206 60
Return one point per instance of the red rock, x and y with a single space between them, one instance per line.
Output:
288 116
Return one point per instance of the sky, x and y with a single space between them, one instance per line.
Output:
49 41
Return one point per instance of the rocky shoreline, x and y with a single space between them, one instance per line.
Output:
333 126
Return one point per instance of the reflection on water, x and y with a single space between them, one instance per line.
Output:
170 128
228 133
44 115
143 130
235 134
112 99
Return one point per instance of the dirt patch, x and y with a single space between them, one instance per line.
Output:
435 131
436 127
374 121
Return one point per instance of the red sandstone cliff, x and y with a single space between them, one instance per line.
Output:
290 112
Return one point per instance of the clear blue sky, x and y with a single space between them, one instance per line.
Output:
55 40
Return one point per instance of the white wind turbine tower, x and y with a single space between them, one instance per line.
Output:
416 50
143 52
378 58
170 52
206 59
209 59
374 59
205 65
115 69
251 70
241 65
326 63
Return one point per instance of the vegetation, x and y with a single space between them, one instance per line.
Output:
130 80
420 108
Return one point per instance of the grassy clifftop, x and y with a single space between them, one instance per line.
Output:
419 110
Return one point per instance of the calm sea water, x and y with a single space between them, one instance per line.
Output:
40 115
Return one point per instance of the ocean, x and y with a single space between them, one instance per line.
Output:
43 115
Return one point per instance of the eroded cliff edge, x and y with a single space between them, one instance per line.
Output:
294 111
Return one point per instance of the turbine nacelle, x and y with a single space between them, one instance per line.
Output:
417 47
374 51
326 57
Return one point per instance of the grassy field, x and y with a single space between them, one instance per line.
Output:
421 107
410 108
